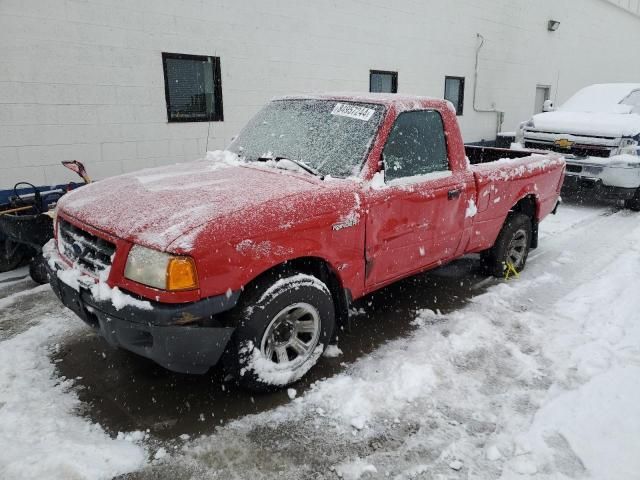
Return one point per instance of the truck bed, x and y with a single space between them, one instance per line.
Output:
502 178
477 154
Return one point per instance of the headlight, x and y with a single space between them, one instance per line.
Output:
520 131
628 146
160 270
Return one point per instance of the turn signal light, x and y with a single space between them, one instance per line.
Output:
181 274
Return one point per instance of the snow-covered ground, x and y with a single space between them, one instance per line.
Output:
538 377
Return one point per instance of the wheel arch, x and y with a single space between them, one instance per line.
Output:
317 267
529 205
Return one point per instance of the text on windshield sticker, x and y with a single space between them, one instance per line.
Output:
353 111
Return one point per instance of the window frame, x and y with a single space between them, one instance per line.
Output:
218 114
400 180
460 106
394 79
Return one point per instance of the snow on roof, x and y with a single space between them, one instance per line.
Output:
399 100
603 97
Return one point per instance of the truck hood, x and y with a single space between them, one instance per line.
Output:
588 124
154 207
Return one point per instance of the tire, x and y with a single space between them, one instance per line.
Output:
512 246
38 270
282 328
634 203
11 254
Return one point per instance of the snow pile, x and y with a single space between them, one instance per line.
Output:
224 157
594 409
42 434
472 209
276 373
103 292
332 351
355 469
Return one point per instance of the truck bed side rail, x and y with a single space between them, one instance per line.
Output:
477 154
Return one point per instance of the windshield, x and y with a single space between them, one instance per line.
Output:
329 136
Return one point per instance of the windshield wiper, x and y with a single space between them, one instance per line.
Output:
300 164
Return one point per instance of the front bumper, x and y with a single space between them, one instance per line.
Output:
154 333
578 185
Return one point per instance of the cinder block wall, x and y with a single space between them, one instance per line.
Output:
83 79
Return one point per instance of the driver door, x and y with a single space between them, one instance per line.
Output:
417 219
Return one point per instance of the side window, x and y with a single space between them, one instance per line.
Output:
416 146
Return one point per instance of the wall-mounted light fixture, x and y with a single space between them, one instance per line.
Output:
553 25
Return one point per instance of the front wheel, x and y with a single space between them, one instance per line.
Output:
282 328
38 270
511 248
634 203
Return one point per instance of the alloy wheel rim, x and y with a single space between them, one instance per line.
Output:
517 249
292 335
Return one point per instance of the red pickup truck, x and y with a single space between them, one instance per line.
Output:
253 255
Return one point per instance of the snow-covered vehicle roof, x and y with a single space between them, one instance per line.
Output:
602 98
399 101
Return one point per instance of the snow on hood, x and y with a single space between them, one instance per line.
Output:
156 206
584 123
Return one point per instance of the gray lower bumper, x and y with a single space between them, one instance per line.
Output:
180 348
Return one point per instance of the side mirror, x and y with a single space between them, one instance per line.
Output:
548 106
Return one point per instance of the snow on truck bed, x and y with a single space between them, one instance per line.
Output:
509 168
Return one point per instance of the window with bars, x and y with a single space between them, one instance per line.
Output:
383 81
193 88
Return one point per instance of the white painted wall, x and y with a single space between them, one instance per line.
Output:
82 79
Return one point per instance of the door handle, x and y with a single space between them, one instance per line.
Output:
455 193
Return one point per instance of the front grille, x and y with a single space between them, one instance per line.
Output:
574 168
90 252
577 150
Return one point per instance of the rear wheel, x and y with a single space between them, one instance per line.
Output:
282 328
11 254
511 248
634 203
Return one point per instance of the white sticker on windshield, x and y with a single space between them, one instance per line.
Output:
353 111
